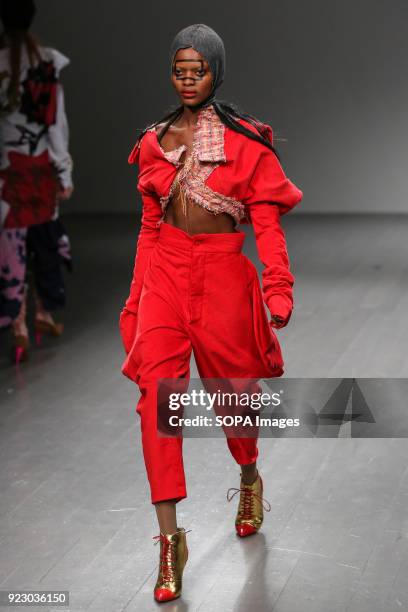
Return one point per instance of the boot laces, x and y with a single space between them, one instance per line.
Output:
167 556
247 499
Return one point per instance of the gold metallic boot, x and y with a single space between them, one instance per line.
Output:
173 557
251 506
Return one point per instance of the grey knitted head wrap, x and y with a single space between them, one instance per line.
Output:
207 42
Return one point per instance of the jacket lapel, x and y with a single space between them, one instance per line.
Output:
210 136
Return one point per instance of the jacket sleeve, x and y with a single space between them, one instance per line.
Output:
58 136
148 234
270 195
58 133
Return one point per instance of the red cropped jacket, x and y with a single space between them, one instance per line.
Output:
251 174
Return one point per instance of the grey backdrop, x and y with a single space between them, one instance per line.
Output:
330 77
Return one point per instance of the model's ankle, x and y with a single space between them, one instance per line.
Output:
169 532
44 315
19 328
249 479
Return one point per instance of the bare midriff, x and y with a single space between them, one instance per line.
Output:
197 219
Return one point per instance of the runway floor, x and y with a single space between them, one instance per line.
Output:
74 500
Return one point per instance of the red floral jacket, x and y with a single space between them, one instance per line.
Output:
248 172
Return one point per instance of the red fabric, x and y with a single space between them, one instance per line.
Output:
253 175
200 293
147 238
39 98
277 278
30 189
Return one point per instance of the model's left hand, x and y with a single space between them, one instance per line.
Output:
277 321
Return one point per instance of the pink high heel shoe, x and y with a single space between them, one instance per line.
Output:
20 349
20 333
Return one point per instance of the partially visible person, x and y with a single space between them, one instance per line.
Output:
35 174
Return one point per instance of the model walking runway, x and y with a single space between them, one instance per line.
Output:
192 289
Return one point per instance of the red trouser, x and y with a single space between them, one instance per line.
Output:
200 293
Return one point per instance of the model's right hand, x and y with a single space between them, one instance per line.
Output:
65 194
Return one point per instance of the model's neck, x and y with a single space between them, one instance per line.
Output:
190 115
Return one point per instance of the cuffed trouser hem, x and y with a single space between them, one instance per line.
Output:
175 497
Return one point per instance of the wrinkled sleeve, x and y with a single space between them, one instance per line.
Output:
148 234
58 135
270 195
277 278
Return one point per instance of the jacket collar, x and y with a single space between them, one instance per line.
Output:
208 138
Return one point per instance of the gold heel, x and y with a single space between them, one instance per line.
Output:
251 506
173 558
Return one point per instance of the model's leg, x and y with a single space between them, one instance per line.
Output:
48 281
12 273
224 342
162 349
225 345
249 473
20 331
47 270
19 324
166 516
13 289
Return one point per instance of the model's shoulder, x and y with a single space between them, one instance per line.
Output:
242 147
146 142
172 129
159 126
264 129
245 123
60 60
143 146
